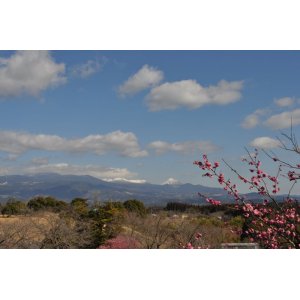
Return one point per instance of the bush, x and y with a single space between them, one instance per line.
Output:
80 206
13 207
135 206
46 203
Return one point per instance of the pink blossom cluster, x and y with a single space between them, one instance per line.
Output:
213 202
211 171
120 242
196 242
272 227
270 224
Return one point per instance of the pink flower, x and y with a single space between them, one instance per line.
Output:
221 178
256 212
213 202
207 164
216 164
189 246
198 236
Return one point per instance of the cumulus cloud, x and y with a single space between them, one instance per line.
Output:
29 72
122 143
283 102
265 143
161 147
145 78
253 119
86 69
284 119
190 94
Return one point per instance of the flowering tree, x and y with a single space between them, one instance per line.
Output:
271 223
120 242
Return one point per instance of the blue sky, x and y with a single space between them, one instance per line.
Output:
143 115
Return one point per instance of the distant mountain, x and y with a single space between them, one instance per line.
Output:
67 187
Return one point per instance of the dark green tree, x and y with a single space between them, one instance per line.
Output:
136 206
46 203
13 207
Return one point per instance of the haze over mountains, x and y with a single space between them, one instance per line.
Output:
67 187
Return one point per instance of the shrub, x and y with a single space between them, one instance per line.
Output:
13 207
135 206
46 203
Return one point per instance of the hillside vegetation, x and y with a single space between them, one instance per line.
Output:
45 222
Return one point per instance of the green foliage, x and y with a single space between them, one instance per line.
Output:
237 221
135 206
114 205
176 206
80 206
46 203
101 220
210 221
114 210
13 207
228 209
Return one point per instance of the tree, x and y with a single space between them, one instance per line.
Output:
13 207
46 203
270 223
135 206
80 206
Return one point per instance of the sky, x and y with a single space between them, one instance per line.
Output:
145 116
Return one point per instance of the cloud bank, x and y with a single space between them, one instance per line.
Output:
187 147
122 143
101 172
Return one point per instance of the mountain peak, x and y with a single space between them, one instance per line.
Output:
172 181
124 180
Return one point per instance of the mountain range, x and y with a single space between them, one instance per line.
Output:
68 187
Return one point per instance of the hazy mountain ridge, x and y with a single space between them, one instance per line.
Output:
67 187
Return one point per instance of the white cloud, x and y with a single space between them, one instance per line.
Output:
100 172
190 94
122 143
265 143
250 121
283 102
86 69
283 120
29 72
145 78
172 181
187 147
253 119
